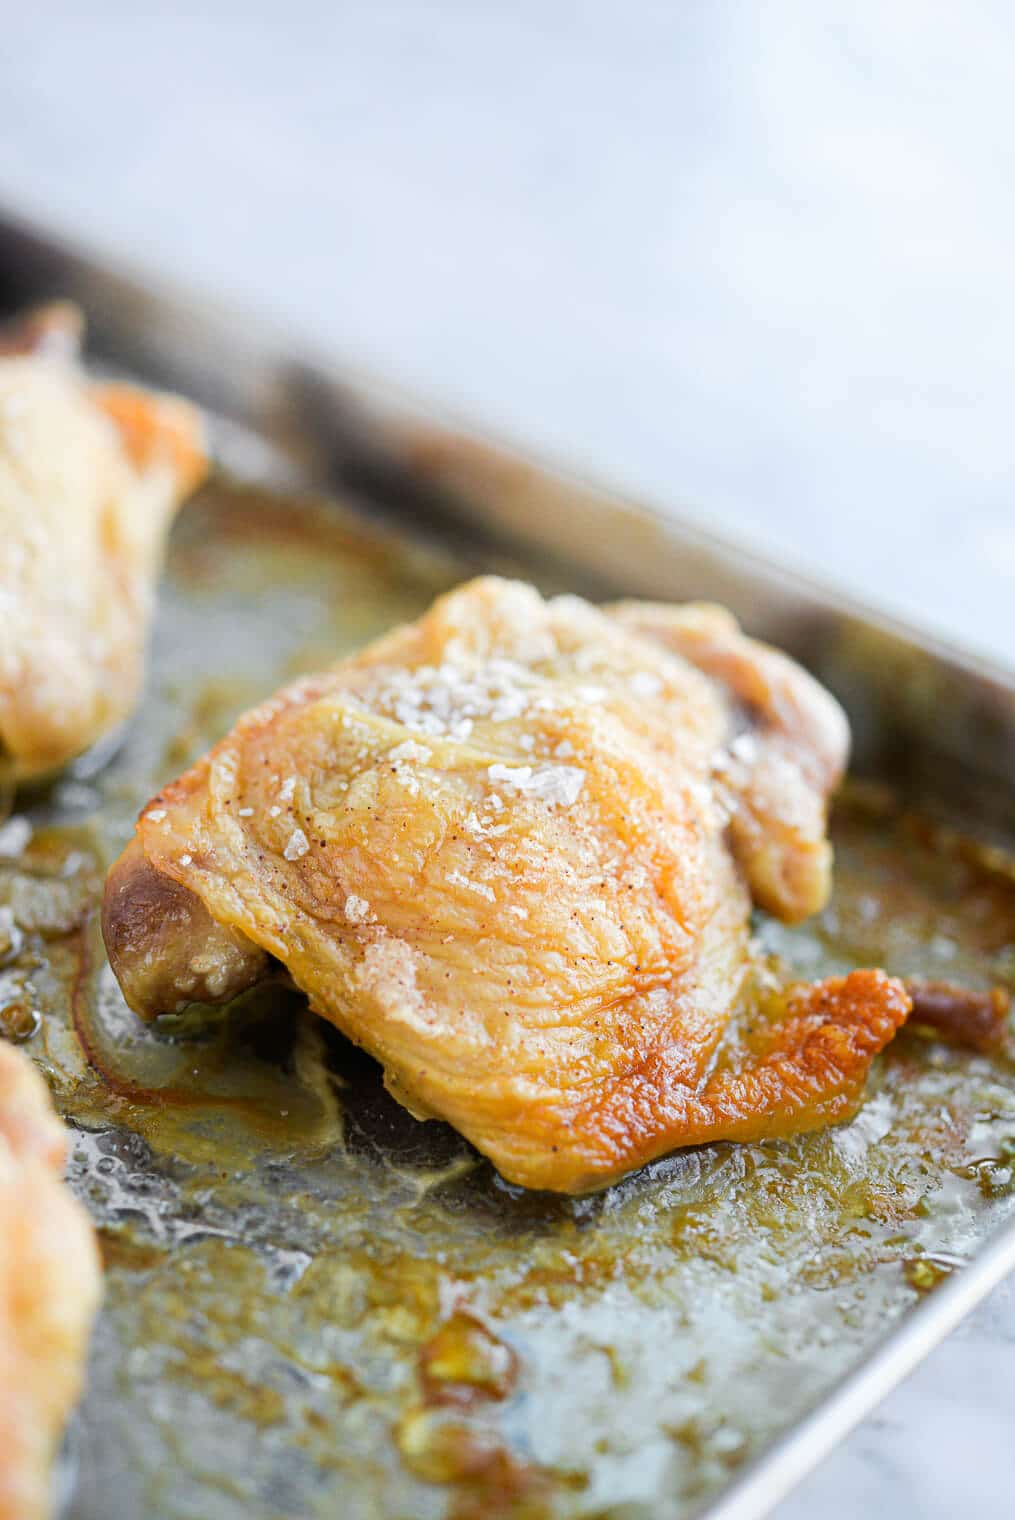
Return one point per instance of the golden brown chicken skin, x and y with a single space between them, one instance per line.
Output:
501 849
49 1289
784 763
90 477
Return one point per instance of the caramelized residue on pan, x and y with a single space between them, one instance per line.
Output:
316 1304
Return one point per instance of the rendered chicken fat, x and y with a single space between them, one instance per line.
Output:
511 850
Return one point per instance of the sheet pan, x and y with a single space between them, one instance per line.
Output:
276 1278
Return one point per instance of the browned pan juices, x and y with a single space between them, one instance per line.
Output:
318 1306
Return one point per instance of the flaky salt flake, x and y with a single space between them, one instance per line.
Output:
357 909
517 776
645 683
557 784
409 750
298 845
564 750
484 828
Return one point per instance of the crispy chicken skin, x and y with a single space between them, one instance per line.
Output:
49 1289
503 849
788 759
90 476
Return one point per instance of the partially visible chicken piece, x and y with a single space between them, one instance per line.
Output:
90 477
49 1289
492 849
786 757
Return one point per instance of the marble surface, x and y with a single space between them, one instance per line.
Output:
751 260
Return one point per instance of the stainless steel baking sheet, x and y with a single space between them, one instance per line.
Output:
294 1264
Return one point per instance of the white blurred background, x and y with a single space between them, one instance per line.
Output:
751 260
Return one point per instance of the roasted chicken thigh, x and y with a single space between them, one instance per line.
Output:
49 1289
511 850
90 476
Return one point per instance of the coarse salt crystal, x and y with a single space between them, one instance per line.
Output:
156 815
564 750
517 776
186 860
245 812
287 789
409 750
484 828
556 784
273 812
357 909
298 845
